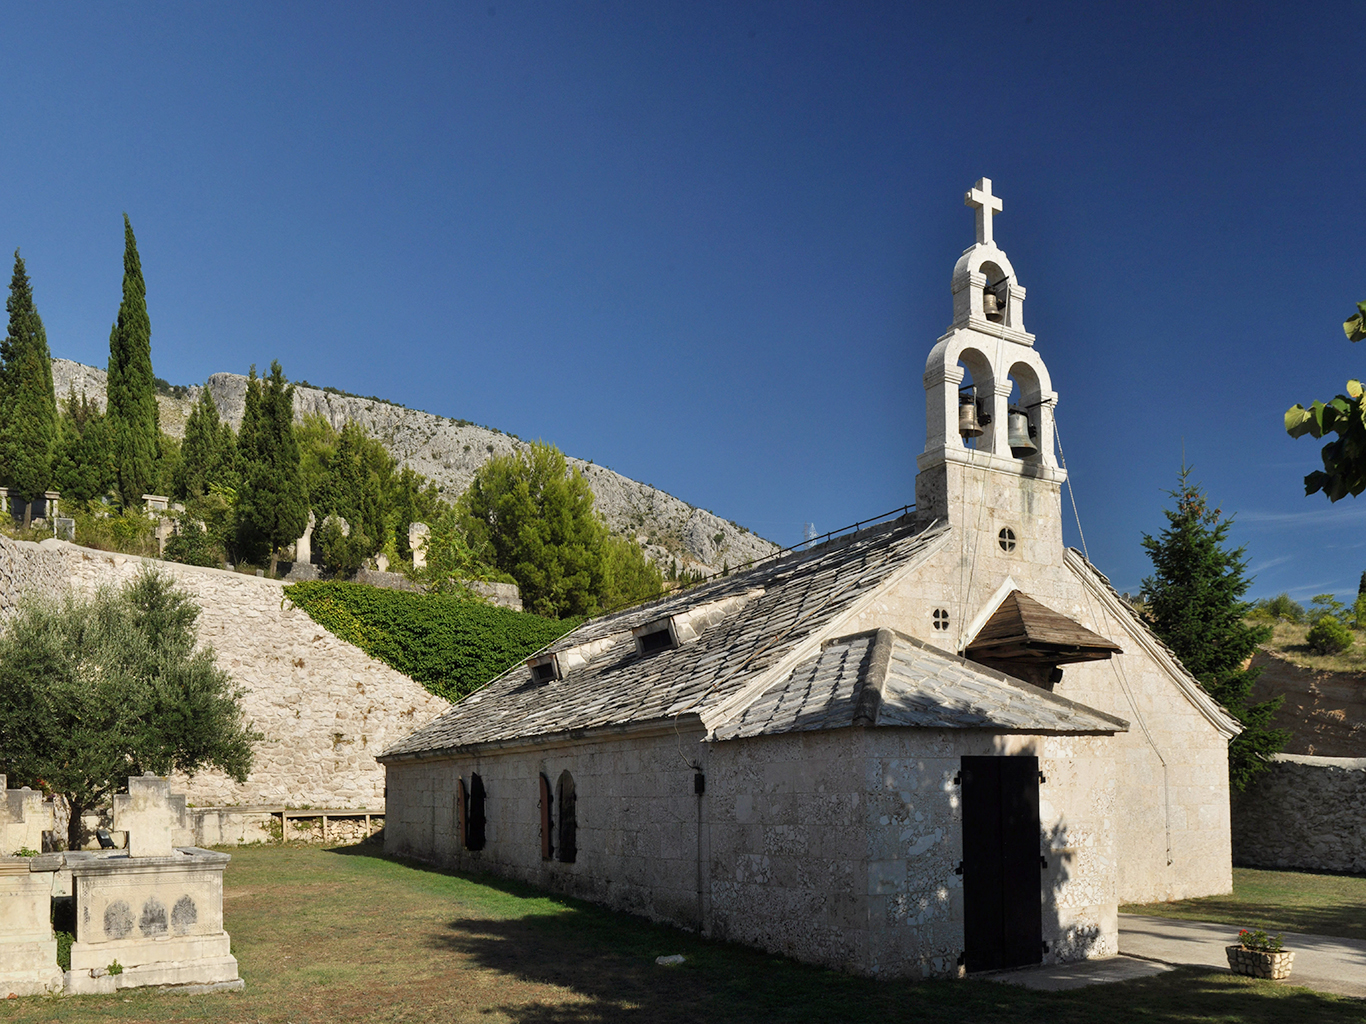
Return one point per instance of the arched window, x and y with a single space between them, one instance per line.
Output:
471 807
547 821
564 798
462 813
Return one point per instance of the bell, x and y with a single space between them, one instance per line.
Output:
967 417
1018 431
991 307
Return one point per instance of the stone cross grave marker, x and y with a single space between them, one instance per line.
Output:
150 815
24 817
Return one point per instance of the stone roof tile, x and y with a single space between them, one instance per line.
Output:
923 688
789 600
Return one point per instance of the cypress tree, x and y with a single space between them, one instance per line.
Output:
272 504
1194 599
28 408
133 423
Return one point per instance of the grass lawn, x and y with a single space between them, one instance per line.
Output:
346 935
1279 901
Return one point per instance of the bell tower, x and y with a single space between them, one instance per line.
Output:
988 463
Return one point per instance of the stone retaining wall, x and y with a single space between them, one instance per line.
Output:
326 707
1306 813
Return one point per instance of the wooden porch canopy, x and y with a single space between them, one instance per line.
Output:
1028 640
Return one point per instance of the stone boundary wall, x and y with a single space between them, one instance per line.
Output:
501 595
326 708
1307 813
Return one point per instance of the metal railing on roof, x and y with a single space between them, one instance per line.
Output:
814 542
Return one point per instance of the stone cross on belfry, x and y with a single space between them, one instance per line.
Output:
980 196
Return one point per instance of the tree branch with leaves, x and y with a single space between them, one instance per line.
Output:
1344 457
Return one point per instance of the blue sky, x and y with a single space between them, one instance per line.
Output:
709 245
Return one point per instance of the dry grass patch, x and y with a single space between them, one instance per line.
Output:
347 935
1288 642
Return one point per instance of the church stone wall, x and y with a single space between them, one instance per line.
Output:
325 707
1305 813
833 847
637 819
862 877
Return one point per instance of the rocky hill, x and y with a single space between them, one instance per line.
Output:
450 451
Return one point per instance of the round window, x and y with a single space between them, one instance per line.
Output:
941 618
1006 538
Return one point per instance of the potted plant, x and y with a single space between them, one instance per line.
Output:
1259 955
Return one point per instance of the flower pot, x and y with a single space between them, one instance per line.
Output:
1257 964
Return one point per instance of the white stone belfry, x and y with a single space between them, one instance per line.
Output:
982 482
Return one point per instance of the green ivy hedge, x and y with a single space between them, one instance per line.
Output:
449 645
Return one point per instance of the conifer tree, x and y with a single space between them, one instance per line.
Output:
83 469
28 408
272 504
207 453
133 423
1194 599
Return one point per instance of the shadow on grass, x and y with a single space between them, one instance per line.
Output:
599 966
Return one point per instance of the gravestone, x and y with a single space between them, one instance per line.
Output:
28 948
418 534
303 547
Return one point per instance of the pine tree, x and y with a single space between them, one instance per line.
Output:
133 424
1194 599
28 409
272 504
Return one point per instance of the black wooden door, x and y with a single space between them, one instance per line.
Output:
1002 899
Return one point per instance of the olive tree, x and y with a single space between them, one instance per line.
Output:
95 689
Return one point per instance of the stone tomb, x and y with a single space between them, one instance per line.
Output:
148 915
155 909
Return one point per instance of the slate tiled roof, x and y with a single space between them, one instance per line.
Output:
883 678
787 601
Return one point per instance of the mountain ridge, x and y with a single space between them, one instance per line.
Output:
450 451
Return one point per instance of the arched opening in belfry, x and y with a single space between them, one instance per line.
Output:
975 400
995 294
1023 412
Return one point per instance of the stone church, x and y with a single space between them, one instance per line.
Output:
935 745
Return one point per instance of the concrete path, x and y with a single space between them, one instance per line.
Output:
1322 963
1063 977
1152 945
